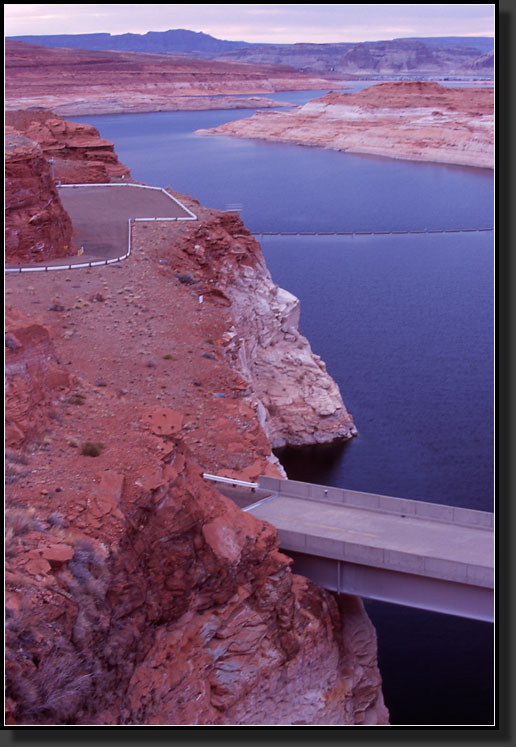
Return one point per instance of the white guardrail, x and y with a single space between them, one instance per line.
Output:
230 481
113 260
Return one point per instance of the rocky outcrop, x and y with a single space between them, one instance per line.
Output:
33 378
300 404
136 594
413 120
37 227
79 155
73 81
177 609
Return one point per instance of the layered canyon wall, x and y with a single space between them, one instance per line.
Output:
398 58
75 81
413 120
79 155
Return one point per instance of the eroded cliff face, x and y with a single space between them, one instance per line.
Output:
32 377
136 593
37 227
80 155
413 120
300 404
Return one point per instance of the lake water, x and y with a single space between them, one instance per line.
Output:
405 325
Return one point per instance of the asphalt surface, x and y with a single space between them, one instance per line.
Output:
100 215
445 541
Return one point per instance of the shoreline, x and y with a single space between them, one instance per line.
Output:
418 121
355 151
100 107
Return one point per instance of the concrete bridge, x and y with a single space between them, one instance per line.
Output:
407 552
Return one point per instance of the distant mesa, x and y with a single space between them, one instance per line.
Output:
408 57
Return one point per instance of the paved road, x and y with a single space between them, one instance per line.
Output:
432 547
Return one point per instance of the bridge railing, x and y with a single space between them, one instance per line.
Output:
230 481
388 504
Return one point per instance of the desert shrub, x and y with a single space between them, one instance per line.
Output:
16 457
13 473
77 398
19 521
14 466
88 569
169 357
92 449
54 691
56 519
186 278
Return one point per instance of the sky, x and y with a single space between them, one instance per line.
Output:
282 24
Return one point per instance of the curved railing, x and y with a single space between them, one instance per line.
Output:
113 260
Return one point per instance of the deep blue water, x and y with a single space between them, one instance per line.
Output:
405 325
288 187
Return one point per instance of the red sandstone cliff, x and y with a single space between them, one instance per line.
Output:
136 593
79 154
414 120
36 225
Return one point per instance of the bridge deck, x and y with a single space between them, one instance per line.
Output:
459 549
414 553
327 524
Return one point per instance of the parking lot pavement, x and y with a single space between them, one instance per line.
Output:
100 214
